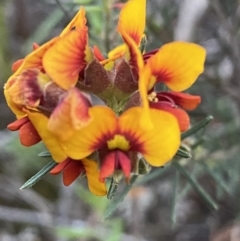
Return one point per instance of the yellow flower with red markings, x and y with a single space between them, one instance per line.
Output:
177 65
49 94
117 138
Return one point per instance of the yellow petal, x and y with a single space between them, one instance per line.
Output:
67 57
91 137
12 105
40 122
159 144
177 64
133 54
25 90
78 22
143 82
95 186
117 52
132 19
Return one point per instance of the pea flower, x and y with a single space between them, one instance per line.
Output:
50 93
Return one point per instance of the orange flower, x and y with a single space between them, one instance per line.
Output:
31 93
177 65
72 169
71 61
117 138
46 93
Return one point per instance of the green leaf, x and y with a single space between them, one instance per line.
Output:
45 154
197 127
183 152
39 175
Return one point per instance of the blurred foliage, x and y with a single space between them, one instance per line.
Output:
163 206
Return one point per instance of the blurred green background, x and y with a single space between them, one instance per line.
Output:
164 206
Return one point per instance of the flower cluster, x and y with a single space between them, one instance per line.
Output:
51 88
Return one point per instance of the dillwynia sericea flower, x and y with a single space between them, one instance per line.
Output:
50 94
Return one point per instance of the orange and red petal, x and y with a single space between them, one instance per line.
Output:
71 172
108 165
97 53
133 54
177 64
132 19
60 167
34 59
70 115
40 122
67 58
186 101
28 135
35 46
124 163
181 115
90 138
17 124
157 144
78 22
16 65
94 184
115 160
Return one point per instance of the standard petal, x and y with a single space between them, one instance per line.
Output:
132 19
177 64
51 142
95 186
159 144
91 137
65 59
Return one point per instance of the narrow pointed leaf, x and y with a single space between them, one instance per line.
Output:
38 176
44 154
197 127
